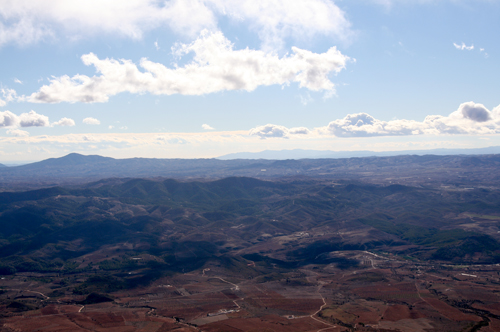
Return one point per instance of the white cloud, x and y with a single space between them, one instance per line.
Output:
8 119
389 3
306 99
18 81
469 119
362 124
206 127
8 96
276 20
216 67
64 122
33 119
271 130
18 133
463 47
91 121
482 50
171 140
474 112
31 21
299 131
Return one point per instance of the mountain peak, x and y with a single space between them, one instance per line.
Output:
72 159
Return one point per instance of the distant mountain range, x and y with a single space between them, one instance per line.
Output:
319 154
408 169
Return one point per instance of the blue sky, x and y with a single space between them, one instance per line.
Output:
203 78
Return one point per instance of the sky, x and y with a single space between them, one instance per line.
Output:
205 78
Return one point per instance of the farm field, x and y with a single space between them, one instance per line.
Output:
391 295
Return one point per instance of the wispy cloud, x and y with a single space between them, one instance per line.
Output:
30 21
18 132
306 99
8 96
463 47
216 67
486 55
206 127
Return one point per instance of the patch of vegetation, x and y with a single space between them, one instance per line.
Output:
116 264
19 306
270 277
100 283
466 248
296 282
94 298
7 269
369 277
269 262
27 264
56 293
419 235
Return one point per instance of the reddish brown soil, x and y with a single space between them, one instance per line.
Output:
307 306
366 316
119 320
398 312
450 312
493 327
262 324
493 308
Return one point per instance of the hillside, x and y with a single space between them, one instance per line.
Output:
235 216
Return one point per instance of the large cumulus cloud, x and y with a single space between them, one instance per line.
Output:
216 67
469 118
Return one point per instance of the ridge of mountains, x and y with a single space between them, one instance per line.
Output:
407 169
321 154
186 223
